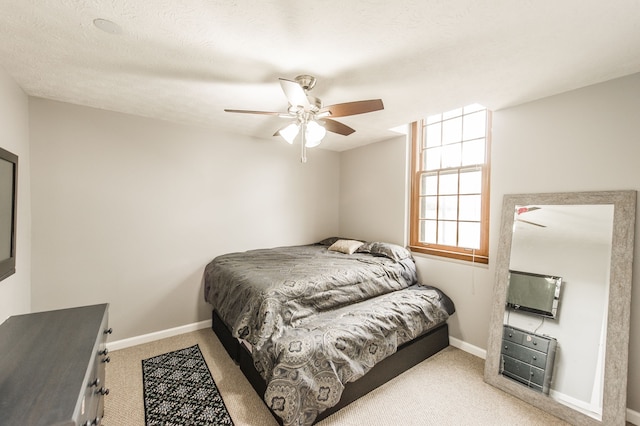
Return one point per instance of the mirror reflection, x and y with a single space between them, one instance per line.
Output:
555 317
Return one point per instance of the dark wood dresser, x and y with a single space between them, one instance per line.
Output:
52 367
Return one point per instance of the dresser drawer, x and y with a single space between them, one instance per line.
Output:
530 340
524 372
524 353
513 335
92 407
538 343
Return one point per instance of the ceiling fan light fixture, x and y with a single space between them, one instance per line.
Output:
313 134
290 132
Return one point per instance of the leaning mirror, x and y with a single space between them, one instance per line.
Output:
560 321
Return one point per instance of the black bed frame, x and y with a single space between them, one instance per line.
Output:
407 355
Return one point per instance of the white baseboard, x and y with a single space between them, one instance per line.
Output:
467 347
146 338
633 417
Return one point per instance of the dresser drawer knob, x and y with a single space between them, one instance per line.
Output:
103 352
103 391
107 359
108 331
95 383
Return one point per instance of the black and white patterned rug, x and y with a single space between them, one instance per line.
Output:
179 390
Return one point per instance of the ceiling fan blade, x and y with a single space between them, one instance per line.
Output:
246 111
295 93
337 127
353 108
531 223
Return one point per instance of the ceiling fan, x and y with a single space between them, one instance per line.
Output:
520 210
310 117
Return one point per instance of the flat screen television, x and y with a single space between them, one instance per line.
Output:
8 202
534 293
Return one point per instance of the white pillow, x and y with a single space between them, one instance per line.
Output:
345 246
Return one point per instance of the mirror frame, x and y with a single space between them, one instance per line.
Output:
619 305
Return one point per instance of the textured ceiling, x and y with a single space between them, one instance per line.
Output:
187 60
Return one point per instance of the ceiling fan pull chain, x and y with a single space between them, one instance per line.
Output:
303 154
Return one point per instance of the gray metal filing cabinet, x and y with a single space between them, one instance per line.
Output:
528 358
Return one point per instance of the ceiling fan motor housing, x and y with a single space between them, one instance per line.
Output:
307 82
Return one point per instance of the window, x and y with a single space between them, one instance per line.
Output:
450 184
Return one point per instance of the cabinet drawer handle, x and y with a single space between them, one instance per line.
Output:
103 352
108 331
95 383
107 359
103 391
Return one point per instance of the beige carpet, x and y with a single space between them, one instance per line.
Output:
447 389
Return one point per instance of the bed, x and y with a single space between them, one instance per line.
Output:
314 327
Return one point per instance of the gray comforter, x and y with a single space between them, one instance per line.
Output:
318 319
259 292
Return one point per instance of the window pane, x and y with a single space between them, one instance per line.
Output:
433 134
428 231
447 233
451 155
453 113
474 125
473 152
448 207
452 130
470 207
472 108
470 182
428 207
431 159
448 183
469 235
434 118
429 184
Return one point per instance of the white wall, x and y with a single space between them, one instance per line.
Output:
371 206
15 291
128 210
584 140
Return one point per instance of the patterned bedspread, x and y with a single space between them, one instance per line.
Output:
318 319
307 367
259 292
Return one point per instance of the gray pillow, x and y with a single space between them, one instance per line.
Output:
392 251
329 241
